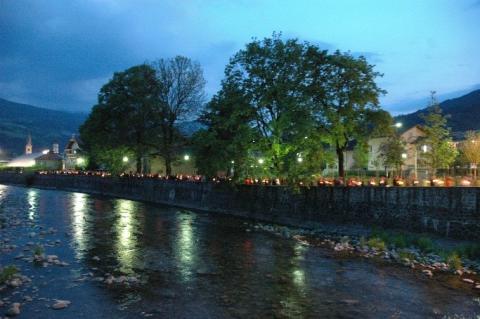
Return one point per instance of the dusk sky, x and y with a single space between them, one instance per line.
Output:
57 54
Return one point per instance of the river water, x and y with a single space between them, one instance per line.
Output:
182 264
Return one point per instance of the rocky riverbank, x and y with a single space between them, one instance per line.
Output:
431 264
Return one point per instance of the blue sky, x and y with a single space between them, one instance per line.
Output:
57 54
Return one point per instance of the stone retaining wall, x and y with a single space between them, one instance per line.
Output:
451 212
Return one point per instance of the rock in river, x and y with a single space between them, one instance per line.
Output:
60 304
14 310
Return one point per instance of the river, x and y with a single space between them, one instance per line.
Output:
127 259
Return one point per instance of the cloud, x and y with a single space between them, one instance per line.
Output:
55 54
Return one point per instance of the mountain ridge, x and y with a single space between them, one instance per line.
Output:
46 126
463 114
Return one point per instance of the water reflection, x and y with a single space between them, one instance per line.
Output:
298 273
185 248
208 266
126 240
79 209
32 199
3 189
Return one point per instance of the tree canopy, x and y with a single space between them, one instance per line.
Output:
123 118
291 101
138 111
180 96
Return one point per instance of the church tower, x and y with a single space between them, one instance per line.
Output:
28 146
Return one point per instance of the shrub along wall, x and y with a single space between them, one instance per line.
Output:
451 212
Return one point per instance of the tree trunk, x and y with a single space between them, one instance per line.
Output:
139 164
341 168
146 165
168 164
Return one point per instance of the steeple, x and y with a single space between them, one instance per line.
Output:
28 146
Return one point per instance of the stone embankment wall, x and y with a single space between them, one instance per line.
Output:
452 212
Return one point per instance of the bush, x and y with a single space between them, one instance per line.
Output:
425 244
7 273
404 254
38 251
376 243
454 261
399 241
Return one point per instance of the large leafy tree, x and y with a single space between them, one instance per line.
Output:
225 143
180 97
123 118
441 152
297 99
271 76
346 97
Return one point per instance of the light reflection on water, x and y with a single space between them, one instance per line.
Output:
32 199
125 244
298 273
80 215
3 189
185 245
257 275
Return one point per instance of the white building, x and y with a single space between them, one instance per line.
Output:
71 154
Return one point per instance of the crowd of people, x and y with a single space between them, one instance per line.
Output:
381 181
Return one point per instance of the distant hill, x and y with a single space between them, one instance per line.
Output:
464 114
46 126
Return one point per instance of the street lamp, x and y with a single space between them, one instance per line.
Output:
125 159
186 157
261 161
80 161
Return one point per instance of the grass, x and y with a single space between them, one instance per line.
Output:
404 254
38 250
376 243
399 241
470 251
454 261
7 273
425 244
380 239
